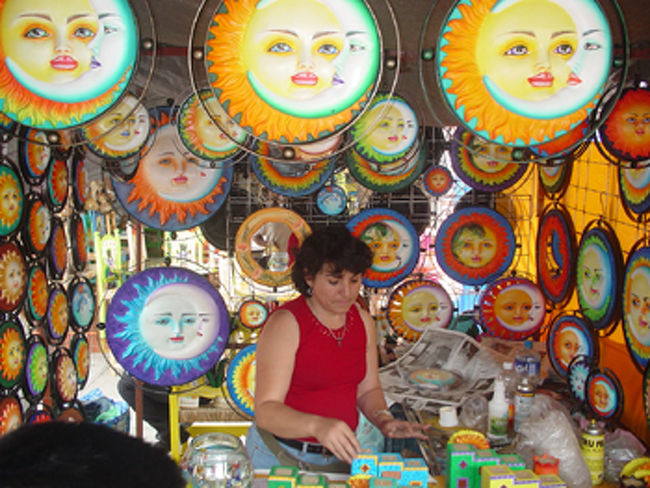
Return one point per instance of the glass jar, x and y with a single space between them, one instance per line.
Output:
217 460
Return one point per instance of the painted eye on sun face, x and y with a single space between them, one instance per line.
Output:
280 47
564 49
37 33
518 50
84 33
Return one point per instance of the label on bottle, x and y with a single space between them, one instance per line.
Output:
523 405
593 452
498 427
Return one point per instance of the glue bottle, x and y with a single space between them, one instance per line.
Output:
498 415
593 451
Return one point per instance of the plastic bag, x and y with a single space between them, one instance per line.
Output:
549 429
621 446
474 413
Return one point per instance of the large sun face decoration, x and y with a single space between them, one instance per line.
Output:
417 304
62 64
12 353
512 308
167 326
488 70
173 189
13 277
12 200
393 241
240 379
255 57
626 130
475 245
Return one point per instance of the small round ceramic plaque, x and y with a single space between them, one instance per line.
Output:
266 244
38 292
252 313
11 413
393 241
12 199
65 384
287 91
121 132
36 369
482 164
570 336
577 374
636 306
415 305
80 350
13 277
556 249
604 395
58 250
81 299
437 180
625 132
13 351
38 225
57 317
240 379
39 414
79 242
34 154
167 326
512 308
331 200
634 186
475 245
57 184
555 177
599 278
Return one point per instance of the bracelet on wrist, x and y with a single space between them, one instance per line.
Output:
383 411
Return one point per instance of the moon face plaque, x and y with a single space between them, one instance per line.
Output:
636 306
167 326
65 63
393 242
488 72
569 337
255 58
512 308
474 245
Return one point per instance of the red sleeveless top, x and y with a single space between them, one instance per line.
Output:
326 375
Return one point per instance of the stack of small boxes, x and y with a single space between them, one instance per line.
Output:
469 467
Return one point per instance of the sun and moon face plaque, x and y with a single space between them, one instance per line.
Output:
487 66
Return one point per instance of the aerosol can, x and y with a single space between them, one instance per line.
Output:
593 450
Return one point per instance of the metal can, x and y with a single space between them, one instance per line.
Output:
524 397
593 450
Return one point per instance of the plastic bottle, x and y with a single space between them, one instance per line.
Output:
498 415
593 451
528 362
524 397
509 378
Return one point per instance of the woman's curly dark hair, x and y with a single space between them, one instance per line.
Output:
335 245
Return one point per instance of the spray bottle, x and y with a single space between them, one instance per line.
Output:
498 415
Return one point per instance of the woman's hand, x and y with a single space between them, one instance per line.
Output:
396 428
337 437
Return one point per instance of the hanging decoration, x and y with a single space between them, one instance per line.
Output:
556 249
570 336
251 60
393 241
554 176
599 279
604 395
46 89
437 180
636 305
38 228
39 414
417 304
475 245
512 308
37 294
240 379
121 132
63 377
252 313
34 154
13 351
332 200
172 189
57 184
206 130
58 250
79 242
484 165
13 277
82 303
11 413
80 180
487 71
167 326
577 374
57 315
36 369
634 188
12 197
625 133
266 243
80 351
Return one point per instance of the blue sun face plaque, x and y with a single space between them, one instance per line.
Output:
167 326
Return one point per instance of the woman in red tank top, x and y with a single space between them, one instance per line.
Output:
317 361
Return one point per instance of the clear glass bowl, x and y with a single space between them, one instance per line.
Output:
217 460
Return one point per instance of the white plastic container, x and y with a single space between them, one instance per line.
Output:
498 409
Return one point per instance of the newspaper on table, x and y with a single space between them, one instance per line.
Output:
465 367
